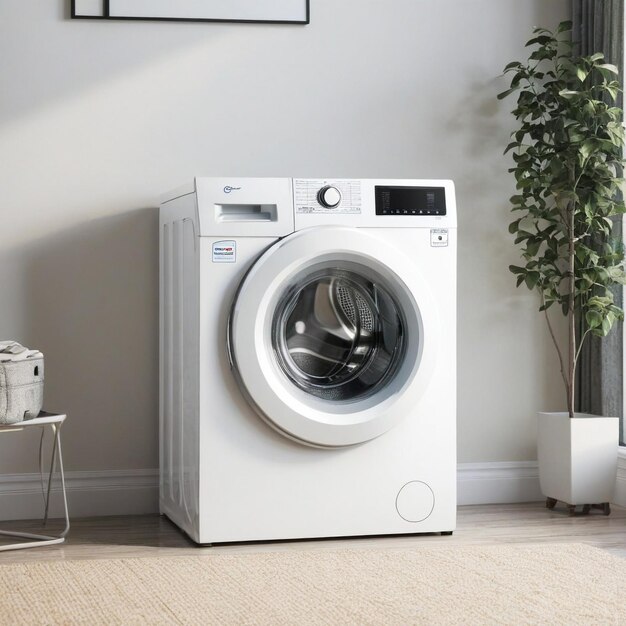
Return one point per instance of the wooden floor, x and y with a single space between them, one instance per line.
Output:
111 537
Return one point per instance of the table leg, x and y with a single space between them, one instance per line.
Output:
45 540
52 460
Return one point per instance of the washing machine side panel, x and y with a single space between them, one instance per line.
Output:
221 401
178 363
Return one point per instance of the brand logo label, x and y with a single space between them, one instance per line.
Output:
228 189
224 251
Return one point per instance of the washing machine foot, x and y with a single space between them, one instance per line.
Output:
445 533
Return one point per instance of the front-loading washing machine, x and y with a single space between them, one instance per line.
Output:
308 358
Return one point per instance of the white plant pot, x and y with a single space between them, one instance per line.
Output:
577 457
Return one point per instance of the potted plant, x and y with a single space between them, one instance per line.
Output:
567 153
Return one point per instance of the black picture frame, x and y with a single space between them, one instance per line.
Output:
106 16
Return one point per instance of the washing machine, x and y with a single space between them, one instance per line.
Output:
308 358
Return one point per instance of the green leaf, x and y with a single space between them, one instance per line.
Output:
593 319
609 67
541 40
513 226
504 94
616 274
531 279
564 198
543 53
588 146
532 247
556 166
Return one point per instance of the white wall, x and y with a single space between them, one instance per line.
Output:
97 119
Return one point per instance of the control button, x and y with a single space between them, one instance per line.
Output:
329 196
439 237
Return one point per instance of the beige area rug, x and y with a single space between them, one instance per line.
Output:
547 584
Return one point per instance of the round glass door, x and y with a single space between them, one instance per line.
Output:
326 337
338 334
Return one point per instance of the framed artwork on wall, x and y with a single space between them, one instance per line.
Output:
258 11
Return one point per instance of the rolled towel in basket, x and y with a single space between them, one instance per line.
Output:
13 351
21 382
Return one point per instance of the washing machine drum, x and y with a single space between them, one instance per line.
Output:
331 345
338 335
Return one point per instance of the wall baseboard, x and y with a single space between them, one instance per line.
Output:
498 482
135 492
89 494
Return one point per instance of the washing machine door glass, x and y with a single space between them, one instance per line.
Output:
333 335
338 334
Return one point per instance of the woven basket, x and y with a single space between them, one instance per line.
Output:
21 390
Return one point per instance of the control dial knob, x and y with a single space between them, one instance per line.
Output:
329 196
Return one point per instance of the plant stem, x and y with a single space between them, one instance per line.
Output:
580 344
558 348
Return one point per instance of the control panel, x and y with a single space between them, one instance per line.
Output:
327 196
406 200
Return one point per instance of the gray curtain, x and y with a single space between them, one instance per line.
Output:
598 26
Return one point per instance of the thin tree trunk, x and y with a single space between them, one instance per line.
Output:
558 350
570 315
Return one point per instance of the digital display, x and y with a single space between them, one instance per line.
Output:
410 200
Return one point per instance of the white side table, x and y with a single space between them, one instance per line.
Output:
55 422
